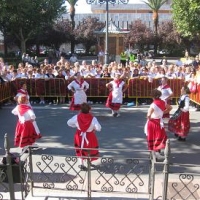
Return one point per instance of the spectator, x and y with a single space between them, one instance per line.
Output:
73 59
196 62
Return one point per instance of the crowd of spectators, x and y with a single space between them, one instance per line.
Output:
30 68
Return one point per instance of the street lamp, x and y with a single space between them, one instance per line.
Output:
107 2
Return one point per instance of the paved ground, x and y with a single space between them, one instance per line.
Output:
117 133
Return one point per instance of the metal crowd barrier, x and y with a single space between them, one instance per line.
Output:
13 174
138 88
139 174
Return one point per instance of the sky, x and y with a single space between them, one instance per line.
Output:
83 7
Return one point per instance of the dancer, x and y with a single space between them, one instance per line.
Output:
115 98
27 131
154 127
22 91
78 87
179 123
85 136
166 94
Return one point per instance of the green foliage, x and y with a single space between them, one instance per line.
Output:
26 18
155 5
84 32
72 2
140 35
186 16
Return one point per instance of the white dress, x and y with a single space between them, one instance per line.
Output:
79 95
117 94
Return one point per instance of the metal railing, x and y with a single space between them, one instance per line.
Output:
140 173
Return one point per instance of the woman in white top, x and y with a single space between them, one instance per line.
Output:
86 125
78 87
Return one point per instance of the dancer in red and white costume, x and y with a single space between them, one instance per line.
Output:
22 91
115 98
78 87
27 131
166 94
85 136
154 127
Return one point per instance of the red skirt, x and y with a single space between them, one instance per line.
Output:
25 134
180 125
74 106
167 115
156 137
110 104
92 144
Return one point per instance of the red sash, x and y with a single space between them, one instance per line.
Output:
84 121
118 82
160 103
22 92
22 108
80 83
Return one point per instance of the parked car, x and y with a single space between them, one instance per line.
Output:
164 52
80 51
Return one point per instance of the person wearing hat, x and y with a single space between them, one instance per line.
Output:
79 87
27 131
115 98
85 140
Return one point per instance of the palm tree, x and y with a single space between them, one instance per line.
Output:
72 4
155 5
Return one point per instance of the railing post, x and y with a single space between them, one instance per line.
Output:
9 172
152 175
89 175
31 168
166 170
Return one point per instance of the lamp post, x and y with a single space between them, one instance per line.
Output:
107 2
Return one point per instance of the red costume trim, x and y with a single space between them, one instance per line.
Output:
80 83
160 103
22 92
165 86
22 108
84 121
118 81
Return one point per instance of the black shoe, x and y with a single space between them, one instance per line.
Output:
83 168
115 115
181 139
176 135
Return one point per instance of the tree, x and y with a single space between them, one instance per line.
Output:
25 18
187 21
168 37
139 35
84 32
155 6
186 17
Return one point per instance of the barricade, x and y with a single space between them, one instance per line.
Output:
5 91
138 88
55 87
